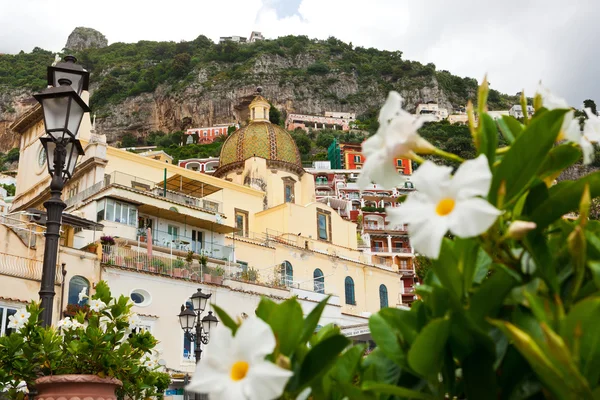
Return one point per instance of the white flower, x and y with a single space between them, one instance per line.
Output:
569 129
446 203
65 323
83 294
396 137
18 320
76 324
97 305
235 367
134 321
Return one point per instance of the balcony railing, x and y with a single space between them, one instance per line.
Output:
144 185
379 227
174 241
21 267
407 272
408 291
392 250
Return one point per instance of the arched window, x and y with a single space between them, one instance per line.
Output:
349 284
287 273
319 281
76 285
383 297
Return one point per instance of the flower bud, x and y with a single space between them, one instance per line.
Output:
284 362
518 229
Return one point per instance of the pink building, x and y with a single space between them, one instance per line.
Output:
206 134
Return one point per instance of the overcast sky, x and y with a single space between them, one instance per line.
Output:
516 42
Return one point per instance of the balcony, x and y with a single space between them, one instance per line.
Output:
407 272
170 241
408 291
403 250
26 268
380 227
141 185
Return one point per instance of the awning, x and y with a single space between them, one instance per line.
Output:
192 187
186 219
334 203
67 219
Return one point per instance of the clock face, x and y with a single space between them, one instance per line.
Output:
41 157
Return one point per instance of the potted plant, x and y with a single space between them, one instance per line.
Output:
102 356
91 247
107 241
218 273
178 267
204 270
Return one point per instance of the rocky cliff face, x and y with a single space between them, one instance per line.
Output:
205 102
85 38
13 103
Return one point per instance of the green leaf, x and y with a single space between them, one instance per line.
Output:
479 375
225 319
549 373
446 269
347 364
581 331
320 358
488 298
312 320
384 334
426 353
510 128
467 252
520 164
594 267
563 198
287 323
489 138
403 322
380 368
396 391
558 159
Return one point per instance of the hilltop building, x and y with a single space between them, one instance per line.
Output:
257 221
516 111
432 108
329 120
255 36
207 134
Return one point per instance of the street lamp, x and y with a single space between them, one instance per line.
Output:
63 111
189 319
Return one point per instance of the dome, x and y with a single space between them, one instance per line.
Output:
259 138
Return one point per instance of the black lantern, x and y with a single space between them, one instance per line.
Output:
199 300
67 69
72 150
209 322
187 319
63 110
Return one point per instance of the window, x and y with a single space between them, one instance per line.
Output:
287 274
383 296
357 159
289 194
403 264
173 231
76 285
319 281
140 297
399 163
323 224
6 312
117 211
241 222
73 190
378 245
349 291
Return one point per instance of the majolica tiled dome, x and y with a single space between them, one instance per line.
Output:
259 138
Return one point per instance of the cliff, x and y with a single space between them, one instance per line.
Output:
150 86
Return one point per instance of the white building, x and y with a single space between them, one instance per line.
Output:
432 108
236 39
517 112
255 36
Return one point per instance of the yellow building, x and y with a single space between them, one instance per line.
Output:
255 222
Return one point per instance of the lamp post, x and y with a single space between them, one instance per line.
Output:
63 111
195 329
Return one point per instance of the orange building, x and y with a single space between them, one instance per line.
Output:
352 158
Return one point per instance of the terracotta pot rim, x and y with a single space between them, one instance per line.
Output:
77 378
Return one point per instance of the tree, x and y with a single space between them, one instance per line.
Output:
302 141
12 155
129 140
274 115
324 140
590 104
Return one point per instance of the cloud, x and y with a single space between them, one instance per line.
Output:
516 43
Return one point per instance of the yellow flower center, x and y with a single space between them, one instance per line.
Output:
239 370
445 207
